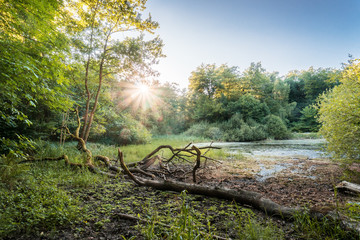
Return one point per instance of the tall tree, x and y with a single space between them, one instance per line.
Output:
105 56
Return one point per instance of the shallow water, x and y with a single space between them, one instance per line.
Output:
272 150
305 148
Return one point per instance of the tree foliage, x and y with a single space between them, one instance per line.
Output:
239 102
339 114
105 57
305 88
32 65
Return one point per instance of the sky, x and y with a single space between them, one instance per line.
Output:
283 35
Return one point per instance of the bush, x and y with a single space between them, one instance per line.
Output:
339 113
259 133
237 130
276 128
198 129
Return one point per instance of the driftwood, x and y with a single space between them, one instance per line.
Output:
347 187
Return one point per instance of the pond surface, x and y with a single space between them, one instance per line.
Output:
305 148
274 150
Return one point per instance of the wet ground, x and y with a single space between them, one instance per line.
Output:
265 159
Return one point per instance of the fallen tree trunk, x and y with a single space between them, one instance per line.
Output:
249 198
348 187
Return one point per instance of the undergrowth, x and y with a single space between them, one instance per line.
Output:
307 227
191 223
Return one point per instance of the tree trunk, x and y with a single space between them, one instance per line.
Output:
348 187
91 118
88 94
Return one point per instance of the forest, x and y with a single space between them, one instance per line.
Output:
93 146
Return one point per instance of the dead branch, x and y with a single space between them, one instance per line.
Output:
30 160
116 169
253 199
348 187
197 165
124 167
176 152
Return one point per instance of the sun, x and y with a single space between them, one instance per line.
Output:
143 89
141 96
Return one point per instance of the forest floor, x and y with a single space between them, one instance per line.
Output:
302 182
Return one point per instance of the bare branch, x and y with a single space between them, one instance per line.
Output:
124 167
197 165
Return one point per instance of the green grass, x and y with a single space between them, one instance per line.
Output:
310 135
307 227
190 223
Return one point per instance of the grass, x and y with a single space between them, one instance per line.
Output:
310 228
309 135
187 222
36 203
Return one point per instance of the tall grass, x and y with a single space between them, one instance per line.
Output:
307 227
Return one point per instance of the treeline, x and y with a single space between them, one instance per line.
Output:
226 104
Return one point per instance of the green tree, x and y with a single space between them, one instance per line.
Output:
305 88
32 63
308 120
104 56
339 113
249 108
204 81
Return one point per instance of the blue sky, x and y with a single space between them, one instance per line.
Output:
283 35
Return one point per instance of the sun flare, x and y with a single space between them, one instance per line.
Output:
143 89
141 96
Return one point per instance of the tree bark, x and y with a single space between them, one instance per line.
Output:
348 187
88 94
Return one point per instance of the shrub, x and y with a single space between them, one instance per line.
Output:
198 129
276 128
237 130
214 133
259 133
